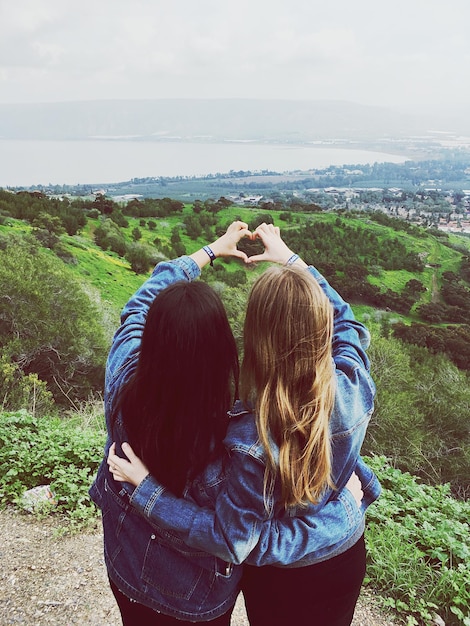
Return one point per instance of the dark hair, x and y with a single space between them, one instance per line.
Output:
174 408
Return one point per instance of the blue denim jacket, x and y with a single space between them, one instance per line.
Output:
223 512
153 566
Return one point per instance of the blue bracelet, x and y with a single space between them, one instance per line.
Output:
211 255
292 259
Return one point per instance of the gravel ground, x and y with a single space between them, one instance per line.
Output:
48 579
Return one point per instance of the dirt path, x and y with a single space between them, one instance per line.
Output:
47 579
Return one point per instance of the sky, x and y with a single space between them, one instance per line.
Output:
405 54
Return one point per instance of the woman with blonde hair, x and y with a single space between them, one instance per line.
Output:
293 444
288 376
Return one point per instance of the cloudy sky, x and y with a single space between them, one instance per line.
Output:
406 53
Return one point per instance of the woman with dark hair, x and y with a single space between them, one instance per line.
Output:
187 338
293 444
171 375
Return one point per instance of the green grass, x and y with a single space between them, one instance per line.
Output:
418 548
113 279
110 275
392 279
417 535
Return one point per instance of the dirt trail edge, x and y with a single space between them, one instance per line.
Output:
48 579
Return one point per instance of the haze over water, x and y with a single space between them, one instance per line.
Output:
29 163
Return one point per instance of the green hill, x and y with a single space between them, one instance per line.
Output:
408 284
63 282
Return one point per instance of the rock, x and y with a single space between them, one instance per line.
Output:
39 499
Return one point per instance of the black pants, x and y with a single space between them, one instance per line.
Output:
324 594
135 614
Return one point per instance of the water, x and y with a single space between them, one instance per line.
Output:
31 163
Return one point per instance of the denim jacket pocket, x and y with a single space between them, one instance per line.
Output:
180 581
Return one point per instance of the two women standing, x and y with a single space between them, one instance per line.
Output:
277 495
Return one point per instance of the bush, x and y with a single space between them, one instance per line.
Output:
18 390
139 257
421 418
48 324
418 548
49 450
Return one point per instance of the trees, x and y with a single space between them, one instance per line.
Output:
193 226
136 234
108 236
139 258
48 325
421 419
47 228
104 205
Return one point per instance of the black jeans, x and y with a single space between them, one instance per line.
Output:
135 614
324 594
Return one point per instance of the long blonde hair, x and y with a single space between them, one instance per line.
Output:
288 373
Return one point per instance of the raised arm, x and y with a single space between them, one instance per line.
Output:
126 342
124 353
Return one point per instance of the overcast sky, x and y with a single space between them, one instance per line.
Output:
406 53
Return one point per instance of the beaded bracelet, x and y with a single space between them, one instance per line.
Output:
292 259
211 255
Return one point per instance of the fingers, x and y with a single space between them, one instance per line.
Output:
129 452
275 249
111 455
114 461
355 487
256 258
268 233
240 229
238 225
268 229
239 254
118 476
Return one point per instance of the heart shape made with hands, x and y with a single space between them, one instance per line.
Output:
251 246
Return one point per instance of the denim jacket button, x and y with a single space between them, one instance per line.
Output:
152 537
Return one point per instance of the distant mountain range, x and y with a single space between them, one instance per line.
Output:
215 120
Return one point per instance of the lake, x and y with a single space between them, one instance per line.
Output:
31 163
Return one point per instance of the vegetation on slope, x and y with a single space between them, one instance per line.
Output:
63 282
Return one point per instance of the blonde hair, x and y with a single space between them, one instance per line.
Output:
288 373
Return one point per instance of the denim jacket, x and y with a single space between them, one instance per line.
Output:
223 512
153 566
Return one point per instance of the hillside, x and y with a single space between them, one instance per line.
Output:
409 284
68 266
368 256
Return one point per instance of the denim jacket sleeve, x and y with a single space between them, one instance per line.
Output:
355 389
350 338
125 348
239 524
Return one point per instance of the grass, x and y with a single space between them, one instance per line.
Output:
417 535
113 279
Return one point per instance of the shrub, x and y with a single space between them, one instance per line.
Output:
418 548
49 450
18 390
48 324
